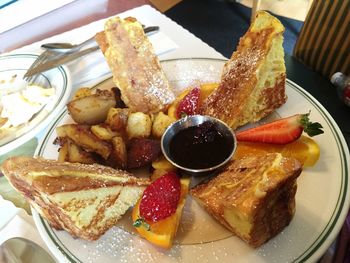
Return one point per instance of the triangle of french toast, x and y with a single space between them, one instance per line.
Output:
253 80
254 197
85 200
135 67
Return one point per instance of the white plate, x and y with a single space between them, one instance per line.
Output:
58 78
322 199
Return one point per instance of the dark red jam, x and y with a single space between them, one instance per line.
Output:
200 147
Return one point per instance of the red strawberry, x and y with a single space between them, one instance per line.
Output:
160 198
189 104
282 131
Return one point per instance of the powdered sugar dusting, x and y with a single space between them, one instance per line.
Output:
118 245
186 73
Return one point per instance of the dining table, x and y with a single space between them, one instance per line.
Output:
176 39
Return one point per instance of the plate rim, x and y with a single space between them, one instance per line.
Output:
45 123
319 245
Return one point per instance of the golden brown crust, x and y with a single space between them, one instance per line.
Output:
85 200
101 41
22 166
239 99
135 68
259 190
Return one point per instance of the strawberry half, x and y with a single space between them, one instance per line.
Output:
189 104
160 199
282 131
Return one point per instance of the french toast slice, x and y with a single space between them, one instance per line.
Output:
135 67
254 197
85 200
252 83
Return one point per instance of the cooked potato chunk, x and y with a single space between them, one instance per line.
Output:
77 155
117 118
139 125
103 131
82 136
118 156
160 123
92 109
82 92
63 152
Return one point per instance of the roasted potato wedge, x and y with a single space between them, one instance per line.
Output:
117 118
103 131
139 125
91 109
142 151
82 136
118 156
160 123
63 155
77 155
82 92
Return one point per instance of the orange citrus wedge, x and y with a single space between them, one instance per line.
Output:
163 164
305 149
206 89
162 233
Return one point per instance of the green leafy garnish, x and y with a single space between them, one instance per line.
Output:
141 222
311 128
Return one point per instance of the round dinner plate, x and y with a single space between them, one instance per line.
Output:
322 198
57 78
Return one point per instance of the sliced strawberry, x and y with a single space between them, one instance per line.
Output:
282 131
189 104
160 198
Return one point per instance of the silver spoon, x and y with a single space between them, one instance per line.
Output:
18 249
75 47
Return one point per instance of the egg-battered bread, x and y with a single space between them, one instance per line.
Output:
253 197
253 80
136 69
84 200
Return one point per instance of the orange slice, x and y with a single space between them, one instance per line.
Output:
206 89
163 164
162 233
305 149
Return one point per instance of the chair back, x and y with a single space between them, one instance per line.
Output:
324 40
